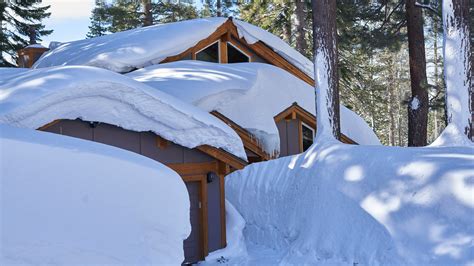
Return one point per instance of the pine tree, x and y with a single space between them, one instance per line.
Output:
125 15
165 12
219 8
20 24
325 60
99 20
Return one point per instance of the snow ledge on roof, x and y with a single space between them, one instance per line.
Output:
37 97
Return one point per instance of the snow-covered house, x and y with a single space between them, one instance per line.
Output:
183 100
101 106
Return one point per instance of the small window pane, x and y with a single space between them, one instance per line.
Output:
235 56
210 54
308 136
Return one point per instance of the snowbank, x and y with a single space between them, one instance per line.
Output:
40 96
236 251
262 90
137 48
7 73
368 205
80 202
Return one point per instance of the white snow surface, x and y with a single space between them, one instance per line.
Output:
236 251
7 73
40 96
250 94
371 205
66 201
137 48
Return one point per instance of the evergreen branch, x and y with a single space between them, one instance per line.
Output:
429 7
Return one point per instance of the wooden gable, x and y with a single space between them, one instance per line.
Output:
297 112
259 51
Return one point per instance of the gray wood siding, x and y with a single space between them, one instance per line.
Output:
144 143
289 137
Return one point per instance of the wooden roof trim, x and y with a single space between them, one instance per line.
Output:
223 156
216 35
306 117
259 48
267 53
250 142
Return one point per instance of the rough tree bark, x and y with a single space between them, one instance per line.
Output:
300 25
418 106
219 8
325 68
148 16
458 72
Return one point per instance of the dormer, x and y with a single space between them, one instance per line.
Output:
30 54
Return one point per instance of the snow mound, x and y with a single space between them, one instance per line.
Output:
81 202
127 50
370 205
7 73
40 96
236 249
262 90
137 48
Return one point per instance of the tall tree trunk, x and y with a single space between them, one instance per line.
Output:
391 101
457 70
418 106
300 24
287 23
219 8
148 16
325 68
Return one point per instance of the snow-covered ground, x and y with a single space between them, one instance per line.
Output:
36 97
232 88
364 205
66 201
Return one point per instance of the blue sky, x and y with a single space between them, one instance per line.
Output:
69 19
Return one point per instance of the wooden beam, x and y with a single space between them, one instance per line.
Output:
223 156
222 205
250 142
204 218
189 169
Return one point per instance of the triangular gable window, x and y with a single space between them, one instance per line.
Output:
209 54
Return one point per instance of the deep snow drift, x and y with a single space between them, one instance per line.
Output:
262 90
37 97
67 201
369 205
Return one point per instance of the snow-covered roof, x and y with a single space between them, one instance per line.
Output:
36 45
37 97
7 73
66 200
251 94
137 48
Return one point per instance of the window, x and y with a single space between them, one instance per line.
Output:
308 136
234 55
209 54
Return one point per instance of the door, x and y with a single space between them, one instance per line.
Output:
192 245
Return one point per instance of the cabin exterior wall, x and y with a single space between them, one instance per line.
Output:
207 211
289 131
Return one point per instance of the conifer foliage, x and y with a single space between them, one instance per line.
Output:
20 25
